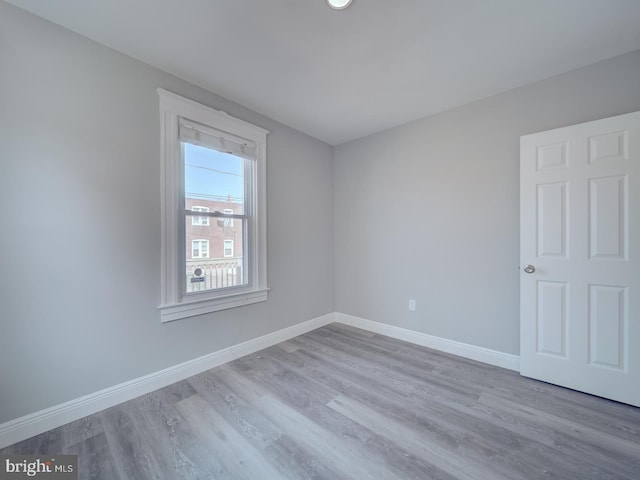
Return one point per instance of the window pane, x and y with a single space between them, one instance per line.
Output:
212 175
214 254
214 182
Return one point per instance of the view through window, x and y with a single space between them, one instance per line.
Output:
214 186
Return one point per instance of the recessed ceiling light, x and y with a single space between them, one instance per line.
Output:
339 4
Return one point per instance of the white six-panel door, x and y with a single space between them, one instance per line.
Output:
579 249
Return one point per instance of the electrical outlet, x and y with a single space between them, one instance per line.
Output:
412 305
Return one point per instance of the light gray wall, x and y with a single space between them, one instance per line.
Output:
80 219
429 210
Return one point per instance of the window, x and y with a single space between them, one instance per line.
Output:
228 222
228 248
200 249
199 220
211 161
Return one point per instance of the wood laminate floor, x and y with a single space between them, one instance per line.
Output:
342 403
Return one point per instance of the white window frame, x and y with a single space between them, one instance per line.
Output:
201 221
201 242
224 248
175 303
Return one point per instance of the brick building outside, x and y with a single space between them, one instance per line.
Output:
214 246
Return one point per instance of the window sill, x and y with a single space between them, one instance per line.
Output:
191 308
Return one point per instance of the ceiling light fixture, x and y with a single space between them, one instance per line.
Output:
339 4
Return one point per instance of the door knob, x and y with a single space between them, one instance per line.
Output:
529 269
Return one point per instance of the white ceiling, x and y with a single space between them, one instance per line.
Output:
341 75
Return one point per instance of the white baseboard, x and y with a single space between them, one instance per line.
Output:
492 357
39 422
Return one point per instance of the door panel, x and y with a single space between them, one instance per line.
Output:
552 156
607 217
580 229
552 220
609 146
607 326
552 318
